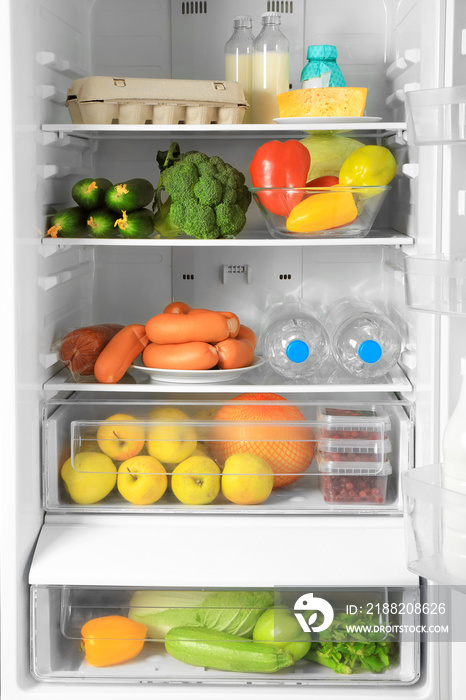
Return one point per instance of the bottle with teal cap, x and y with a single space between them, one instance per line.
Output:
364 341
322 69
294 342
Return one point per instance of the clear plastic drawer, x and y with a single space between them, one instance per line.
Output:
285 636
217 455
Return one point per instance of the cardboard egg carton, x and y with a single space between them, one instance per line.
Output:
106 100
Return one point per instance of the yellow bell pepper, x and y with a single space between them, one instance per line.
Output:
368 166
321 212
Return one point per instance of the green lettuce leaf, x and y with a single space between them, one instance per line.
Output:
328 152
235 612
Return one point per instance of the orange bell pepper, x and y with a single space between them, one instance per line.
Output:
321 212
112 640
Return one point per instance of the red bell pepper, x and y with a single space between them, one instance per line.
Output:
323 181
282 165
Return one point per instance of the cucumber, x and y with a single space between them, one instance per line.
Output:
90 192
200 646
136 224
130 195
101 223
68 223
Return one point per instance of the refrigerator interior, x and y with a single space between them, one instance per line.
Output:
390 47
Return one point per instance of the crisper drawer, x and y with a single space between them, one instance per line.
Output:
293 636
255 454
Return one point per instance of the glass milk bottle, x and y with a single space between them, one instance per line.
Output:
238 59
454 460
270 69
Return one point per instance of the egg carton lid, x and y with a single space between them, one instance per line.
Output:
156 91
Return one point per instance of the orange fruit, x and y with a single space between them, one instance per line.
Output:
289 449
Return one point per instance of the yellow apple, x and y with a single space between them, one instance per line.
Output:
121 441
90 479
196 481
170 444
142 480
247 479
202 450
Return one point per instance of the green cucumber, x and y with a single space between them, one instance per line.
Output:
130 195
136 224
90 192
101 223
68 223
200 646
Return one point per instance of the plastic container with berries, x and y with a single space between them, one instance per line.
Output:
356 483
354 451
368 422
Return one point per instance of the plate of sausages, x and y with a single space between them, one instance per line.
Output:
196 376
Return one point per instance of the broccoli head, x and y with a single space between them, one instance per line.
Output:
207 198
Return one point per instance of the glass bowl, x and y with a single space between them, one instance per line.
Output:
319 212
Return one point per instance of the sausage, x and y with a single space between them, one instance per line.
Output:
246 333
210 327
120 353
80 348
177 307
195 355
233 353
233 320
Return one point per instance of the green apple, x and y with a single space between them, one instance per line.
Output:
142 480
90 478
279 627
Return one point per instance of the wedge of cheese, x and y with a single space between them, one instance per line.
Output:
323 102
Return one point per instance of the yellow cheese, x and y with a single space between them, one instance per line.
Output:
323 102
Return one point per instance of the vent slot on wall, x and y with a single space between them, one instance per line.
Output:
283 6
198 7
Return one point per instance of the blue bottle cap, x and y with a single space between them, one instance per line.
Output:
297 351
370 351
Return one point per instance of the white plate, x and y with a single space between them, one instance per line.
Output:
327 120
196 376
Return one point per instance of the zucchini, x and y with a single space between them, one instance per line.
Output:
130 195
200 646
68 223
136 224
90 192
101 223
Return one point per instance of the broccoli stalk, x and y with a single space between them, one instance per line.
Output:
207 198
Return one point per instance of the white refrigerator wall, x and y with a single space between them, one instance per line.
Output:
387 45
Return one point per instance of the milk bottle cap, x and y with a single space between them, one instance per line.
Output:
271 18
242 21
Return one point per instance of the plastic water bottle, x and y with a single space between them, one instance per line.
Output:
294 342
364 341
454 460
